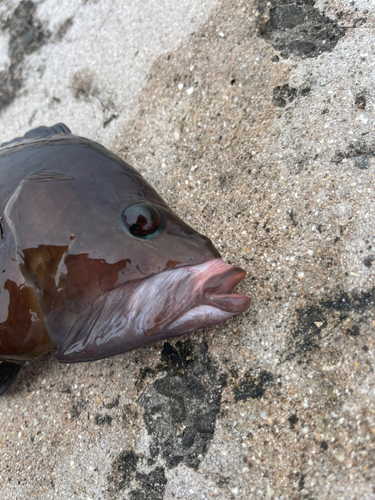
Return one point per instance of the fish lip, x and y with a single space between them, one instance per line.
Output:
214 304
225 281
216 290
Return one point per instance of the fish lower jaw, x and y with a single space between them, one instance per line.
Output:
230 303
198 317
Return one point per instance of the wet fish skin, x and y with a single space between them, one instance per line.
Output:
73 278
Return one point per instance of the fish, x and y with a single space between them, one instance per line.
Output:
93 262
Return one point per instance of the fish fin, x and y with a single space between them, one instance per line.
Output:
8 374
42 131
39 132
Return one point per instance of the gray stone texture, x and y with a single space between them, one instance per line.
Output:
255 121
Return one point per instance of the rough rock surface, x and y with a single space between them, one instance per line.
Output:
255 121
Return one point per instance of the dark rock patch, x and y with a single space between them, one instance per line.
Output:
103 419
26 35
359 151
292 216
354 331
77 408
360 101
252 387
357 302
361 162
151 486
301 482
26 32
324 445
123 469
282 95
180 409
140 485
10 83
82 84
293 419
176 358
64 28
311 319
369 260
296 27
129 414
112 404
144 373
306 334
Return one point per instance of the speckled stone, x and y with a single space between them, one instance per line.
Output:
256 123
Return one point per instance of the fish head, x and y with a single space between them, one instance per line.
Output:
112 266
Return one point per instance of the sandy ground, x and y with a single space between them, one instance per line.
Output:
255 121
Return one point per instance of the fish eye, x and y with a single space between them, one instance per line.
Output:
142 219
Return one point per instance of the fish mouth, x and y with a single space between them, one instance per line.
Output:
168 304
216 290
214 304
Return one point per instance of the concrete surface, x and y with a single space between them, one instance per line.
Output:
255 121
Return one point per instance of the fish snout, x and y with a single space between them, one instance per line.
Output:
222 278
213 304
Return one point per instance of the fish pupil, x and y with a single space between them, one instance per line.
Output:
142 224
142 219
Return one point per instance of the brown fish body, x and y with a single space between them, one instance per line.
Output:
92 261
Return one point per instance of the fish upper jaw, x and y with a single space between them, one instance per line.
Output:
171 303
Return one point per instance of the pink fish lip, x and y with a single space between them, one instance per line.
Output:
216 290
